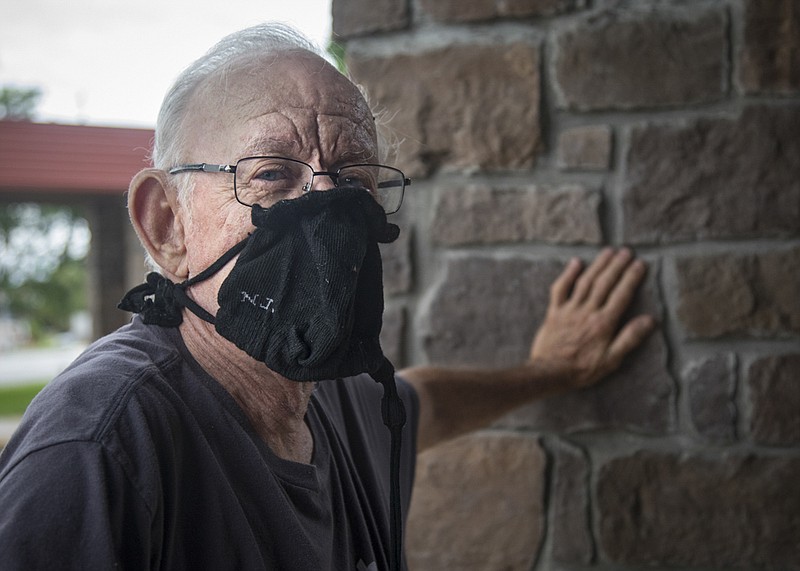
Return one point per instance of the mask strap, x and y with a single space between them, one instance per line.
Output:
180 289
394 417
160 301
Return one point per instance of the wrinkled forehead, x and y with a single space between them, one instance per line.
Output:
295 97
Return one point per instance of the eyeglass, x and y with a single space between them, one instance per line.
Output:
266 180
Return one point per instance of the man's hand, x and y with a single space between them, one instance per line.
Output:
581 340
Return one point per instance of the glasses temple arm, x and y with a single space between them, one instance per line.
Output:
204 167
394 183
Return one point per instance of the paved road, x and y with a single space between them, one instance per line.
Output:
24 366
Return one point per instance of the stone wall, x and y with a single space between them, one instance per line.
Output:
536 130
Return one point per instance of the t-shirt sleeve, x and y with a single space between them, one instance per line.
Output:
63 508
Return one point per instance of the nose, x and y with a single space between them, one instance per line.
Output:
323 180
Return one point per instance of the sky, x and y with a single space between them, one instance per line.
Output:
109 62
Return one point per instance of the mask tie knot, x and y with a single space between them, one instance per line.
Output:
160 301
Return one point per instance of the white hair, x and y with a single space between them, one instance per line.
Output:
247 46
250 44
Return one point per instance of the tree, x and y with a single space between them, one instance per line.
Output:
43 280
43 248
336 52
18 104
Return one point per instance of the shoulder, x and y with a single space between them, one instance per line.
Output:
353 405
85 402
63 495
363 393
352 410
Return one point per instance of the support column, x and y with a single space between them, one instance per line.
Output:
108 262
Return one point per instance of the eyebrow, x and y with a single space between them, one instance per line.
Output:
275 146
290 148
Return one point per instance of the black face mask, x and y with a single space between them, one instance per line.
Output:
305 297
306 293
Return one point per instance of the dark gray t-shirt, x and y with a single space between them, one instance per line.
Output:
135 458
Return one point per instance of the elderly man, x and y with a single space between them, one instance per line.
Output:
236 422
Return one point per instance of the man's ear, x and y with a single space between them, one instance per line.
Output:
158 220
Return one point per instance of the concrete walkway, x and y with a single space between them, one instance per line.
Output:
25 366
7 427
28 365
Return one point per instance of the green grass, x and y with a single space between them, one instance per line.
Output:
15 399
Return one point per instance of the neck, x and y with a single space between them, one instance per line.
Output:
275 406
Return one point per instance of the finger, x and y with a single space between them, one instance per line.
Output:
584 284
630 337
624 290
561 287
608 278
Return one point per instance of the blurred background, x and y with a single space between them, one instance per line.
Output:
534 131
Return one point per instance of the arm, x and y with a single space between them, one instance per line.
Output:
579 343
71 506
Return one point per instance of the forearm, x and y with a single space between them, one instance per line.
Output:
454 401
580 342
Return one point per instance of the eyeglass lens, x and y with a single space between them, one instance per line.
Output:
267 180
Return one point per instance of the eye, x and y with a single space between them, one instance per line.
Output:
362 177
265 180
272 173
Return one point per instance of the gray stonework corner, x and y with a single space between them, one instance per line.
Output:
540 130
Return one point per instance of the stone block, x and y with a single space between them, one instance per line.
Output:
638 397
663 510
715 178
398 270
487 310
478 504
392 334
486 314
774 385
711 386
747 295
571 530
641 59
769 58
443 104
478 10
585 148
482 214
361 17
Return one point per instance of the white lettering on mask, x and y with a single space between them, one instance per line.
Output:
253 300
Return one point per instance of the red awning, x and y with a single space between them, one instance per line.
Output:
74 159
